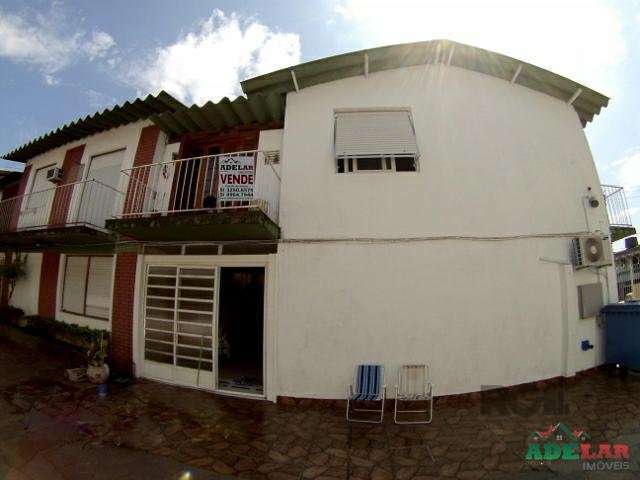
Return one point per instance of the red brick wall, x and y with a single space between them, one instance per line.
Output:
122 312
62 198
48 284
237 139
11 191
144 156
21 190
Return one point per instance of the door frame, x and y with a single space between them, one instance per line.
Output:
25 205
217 326
84 178
214 261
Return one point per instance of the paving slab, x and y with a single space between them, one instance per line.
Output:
54 429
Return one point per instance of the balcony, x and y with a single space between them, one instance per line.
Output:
71 214
618 212
183 200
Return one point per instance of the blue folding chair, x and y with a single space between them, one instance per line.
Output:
370 388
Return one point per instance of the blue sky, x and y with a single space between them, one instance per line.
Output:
60 60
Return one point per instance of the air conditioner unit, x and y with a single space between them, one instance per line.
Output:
591 251
54 175
272 157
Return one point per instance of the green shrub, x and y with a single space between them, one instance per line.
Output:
10 315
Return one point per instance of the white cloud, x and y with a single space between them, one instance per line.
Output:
627 171
208 63
98 100
99 45
581 39
49 42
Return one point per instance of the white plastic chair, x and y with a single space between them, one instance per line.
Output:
413 385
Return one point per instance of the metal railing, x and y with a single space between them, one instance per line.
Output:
628 276
191 185
617 207
88 202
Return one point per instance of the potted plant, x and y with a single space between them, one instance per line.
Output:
97 369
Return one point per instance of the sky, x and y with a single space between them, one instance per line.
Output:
64 59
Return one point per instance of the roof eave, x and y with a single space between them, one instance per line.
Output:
587 104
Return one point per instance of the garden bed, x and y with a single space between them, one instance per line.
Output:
33 330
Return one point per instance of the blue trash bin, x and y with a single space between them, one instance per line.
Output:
622 334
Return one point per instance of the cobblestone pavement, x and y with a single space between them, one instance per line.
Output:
51 428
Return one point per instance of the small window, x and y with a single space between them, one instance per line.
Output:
370 163
376 164
370 140
86 288
405 164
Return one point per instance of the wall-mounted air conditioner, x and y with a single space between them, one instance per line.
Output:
591 251
54 175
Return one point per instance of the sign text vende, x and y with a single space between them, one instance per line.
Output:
236 178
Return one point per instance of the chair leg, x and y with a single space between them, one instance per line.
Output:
414 422
356 420
395 410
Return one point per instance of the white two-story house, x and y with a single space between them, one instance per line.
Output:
415 203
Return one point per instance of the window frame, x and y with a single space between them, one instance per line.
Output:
86 287
388 159
388 165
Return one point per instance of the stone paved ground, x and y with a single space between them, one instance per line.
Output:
53 429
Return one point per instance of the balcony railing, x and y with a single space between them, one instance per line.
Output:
617 207
191 185
87 203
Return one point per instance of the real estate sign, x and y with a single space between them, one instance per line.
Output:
236 178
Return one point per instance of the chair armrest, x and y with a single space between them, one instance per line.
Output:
384 392
429 388
350 390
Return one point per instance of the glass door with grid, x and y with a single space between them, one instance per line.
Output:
179 322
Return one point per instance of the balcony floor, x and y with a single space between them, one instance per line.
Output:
222 225
621 231
36 238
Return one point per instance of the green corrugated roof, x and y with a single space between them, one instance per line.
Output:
265 94
261 109
172 116
99 122
587 104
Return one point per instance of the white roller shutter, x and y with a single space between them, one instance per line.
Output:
75 276
99 287
374 133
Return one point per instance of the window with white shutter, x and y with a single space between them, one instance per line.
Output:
98 297
86 286
75 276
375 140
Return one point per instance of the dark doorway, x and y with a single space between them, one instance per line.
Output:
195 179
240 329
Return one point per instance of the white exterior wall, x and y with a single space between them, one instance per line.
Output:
267 182
25 295
497 160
